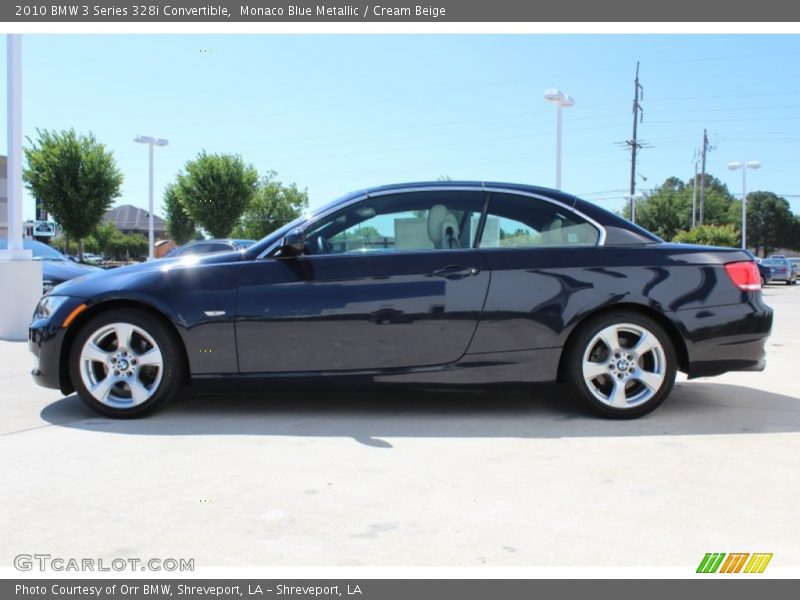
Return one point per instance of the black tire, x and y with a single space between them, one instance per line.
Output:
172 372
579 345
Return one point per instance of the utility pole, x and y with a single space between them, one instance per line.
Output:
633 143
703 175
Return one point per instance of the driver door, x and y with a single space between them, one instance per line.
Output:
389 282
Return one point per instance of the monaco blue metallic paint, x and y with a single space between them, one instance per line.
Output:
451 317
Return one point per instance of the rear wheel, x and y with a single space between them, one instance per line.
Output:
622 365
124 363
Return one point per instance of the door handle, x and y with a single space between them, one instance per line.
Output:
455 272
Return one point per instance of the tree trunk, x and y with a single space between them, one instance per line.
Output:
80 250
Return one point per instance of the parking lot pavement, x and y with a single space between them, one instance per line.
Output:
411 478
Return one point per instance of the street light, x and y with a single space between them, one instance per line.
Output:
151 141
561 100
733 166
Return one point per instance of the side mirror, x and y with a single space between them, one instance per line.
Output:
293 243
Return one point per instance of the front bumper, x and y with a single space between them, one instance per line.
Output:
46 339
45 343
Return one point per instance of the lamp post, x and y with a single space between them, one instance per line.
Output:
151 141
733 166
561 100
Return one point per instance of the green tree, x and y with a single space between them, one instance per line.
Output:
180 225
770 222
215 189
667 209
272 206
124 246
102 235
719 205
63 245
74 178
710 235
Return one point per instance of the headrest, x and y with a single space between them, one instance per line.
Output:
551 234
436 217
442 227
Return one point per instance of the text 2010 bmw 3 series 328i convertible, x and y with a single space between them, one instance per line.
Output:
431 284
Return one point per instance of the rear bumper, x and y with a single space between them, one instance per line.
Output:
728 338
781 275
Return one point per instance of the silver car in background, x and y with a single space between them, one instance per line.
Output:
782 269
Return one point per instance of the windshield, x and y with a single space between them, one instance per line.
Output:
40 251
271 238
775 262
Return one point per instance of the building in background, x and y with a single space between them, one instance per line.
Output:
3 197
130 219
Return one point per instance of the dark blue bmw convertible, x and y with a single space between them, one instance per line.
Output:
426 284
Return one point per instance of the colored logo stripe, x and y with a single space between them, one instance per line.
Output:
735 561
710 562
758 563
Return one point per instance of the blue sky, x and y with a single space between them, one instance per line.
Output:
341 112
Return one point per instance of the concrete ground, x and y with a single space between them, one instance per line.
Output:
493 478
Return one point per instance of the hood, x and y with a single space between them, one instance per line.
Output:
103 281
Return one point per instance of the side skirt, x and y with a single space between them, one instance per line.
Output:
472 370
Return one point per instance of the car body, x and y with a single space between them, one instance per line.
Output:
92 259
477 284
795 265
765 272
209 247
56 268
782 269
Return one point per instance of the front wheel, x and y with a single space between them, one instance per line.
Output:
124 363
622 365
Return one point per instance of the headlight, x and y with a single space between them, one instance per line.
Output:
48 305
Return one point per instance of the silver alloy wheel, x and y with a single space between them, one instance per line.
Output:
624 365
121 365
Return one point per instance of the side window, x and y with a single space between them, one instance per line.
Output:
438 220
515 221
193 249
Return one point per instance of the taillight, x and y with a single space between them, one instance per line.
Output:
744 275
